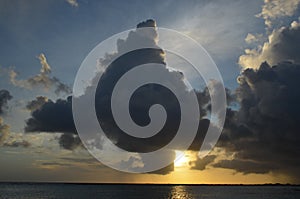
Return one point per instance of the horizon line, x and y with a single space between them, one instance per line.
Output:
154 184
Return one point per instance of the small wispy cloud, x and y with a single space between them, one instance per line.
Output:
274 9
73 2
43 79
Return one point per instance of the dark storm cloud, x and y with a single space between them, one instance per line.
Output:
264 132
4 98
52 117
49 116
146 96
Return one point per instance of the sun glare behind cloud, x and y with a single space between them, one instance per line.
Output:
181 159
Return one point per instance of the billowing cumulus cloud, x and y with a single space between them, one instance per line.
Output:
264 134
42 80
274 9
146 96
282 45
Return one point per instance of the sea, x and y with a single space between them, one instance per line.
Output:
145 191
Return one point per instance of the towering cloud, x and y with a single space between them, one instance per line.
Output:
43 79
264 133
145 96
49 116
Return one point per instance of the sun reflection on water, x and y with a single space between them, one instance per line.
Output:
180 192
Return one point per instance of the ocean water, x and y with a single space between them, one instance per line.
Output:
36 191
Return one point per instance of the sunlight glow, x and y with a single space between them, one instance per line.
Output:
181 159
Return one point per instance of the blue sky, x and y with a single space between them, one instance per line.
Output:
65 34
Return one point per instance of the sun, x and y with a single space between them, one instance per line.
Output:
181 159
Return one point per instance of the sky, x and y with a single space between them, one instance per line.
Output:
253 43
